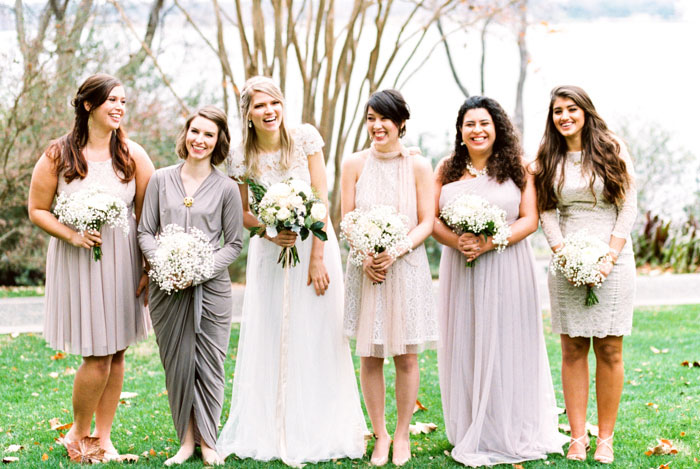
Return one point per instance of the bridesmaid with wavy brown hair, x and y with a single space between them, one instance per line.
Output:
93 309
585 181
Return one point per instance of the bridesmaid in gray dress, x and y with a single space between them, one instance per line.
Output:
94 309
585 181
193 326
497 393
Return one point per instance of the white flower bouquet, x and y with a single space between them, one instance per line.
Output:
290 205
373 231
580 261
182 258
91 209
470 213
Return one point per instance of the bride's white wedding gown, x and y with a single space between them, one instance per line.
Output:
295 394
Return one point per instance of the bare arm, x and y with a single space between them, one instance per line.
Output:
425 201
318 275
441 232
144 171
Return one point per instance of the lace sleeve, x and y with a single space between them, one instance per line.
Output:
627 212
550 226
235 164
308 139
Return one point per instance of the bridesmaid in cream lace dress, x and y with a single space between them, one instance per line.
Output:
93 309
396 317
585 181
495 381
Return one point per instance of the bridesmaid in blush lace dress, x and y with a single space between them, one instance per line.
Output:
93 309
585 181
388 302
497 393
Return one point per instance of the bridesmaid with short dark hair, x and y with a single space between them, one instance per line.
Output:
585 181
193 326
496 386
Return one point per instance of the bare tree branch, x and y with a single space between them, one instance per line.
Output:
524 61
128 70
450 62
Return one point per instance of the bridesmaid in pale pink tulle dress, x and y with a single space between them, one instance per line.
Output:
91 308
497 393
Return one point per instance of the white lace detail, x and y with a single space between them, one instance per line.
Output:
307 141
101 173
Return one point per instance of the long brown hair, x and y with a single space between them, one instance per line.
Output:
251 147
505 161
218 117
66 151
600 153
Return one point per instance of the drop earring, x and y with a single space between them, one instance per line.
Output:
250 124
462 143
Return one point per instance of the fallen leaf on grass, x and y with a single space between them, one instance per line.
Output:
128 395
13 448
419 406
56 424
421 427
690 364
664 447
44 457
53 375
58 356
128 458
69 371
655 350
651 405
9 459
14 335
86 450
518 466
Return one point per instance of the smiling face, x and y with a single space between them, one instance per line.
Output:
201 138
265 112
110 113
569 119
382 130
478 132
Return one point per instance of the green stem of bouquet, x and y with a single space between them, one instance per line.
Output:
292 259
591 297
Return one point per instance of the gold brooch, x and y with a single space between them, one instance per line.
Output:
188 201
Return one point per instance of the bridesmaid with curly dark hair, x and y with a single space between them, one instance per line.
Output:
585 181
497 393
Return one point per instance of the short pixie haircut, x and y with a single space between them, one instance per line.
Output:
390 103
223 141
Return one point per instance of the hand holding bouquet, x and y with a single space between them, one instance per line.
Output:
91 209
580 260
291 205
373 231
182 258
470 213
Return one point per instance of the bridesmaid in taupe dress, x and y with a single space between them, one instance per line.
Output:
193 327
585 181
94 309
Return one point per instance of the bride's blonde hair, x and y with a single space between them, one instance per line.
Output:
251 146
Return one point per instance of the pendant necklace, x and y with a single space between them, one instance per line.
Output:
476 172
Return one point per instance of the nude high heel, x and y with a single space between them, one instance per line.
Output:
601 442
582 440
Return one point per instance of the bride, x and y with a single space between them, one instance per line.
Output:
295 395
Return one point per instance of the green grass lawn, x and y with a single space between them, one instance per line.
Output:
35 389
21 292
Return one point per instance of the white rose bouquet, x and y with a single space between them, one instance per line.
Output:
373 231
182 258
91 209
289 205
470 213
580 261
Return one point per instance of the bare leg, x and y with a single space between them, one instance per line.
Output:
574 378
407 382
610 376
372 380
88 386
186 449
107 406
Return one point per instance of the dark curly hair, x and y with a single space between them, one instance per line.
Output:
600 153
66 152
506 157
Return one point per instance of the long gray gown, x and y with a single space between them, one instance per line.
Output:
193 327
497 393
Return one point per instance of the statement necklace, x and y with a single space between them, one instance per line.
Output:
476 172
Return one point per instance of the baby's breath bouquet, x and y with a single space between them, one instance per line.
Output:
470 213
290 205
91 209
183 258
580 260
373 231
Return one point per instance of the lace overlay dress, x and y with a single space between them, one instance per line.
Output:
91 308
295 395
397 316
578 209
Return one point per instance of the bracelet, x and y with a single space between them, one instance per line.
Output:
614 253
608 258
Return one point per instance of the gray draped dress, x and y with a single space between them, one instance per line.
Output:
193 327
